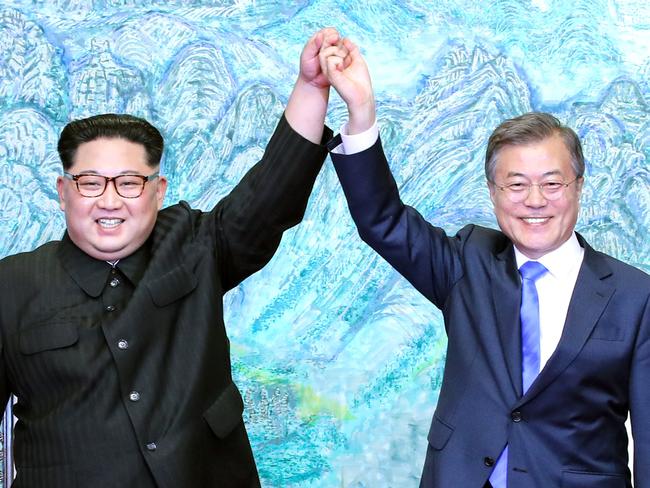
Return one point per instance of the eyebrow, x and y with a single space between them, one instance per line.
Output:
548 173
97 173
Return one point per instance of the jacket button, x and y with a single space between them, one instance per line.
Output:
114 282
516 416
123 344
134 396
152 446
110 308
488 461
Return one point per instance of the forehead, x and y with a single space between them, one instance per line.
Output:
547 156
114 155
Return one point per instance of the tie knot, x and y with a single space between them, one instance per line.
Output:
532 270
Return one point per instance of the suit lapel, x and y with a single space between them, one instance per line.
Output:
590 297
506 296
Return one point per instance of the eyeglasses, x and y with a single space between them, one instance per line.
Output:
126 186
550 190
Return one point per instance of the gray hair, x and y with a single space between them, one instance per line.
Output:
529 128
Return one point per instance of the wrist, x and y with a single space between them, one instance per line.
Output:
306 110
312 85
362 117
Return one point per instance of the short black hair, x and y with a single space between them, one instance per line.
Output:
110 126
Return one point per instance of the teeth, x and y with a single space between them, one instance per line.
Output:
538 220
109 222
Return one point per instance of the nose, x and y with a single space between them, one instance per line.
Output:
535 197
109 199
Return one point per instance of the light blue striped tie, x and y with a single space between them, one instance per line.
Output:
530 272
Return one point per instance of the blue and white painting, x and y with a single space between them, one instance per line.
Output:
338 358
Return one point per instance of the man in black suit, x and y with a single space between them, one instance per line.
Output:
548 339
112 338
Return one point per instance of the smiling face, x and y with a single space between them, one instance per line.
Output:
110 227
536 226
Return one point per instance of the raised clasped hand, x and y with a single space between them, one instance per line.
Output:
310 64
346 70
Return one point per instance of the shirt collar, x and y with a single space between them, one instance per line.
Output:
134 266
559 262
92 274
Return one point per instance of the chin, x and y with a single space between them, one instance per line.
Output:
537 251
109 253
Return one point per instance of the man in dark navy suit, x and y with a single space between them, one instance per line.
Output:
548 339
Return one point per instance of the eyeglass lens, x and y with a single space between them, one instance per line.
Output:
128 186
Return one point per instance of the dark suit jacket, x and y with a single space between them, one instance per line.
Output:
133 388
568 429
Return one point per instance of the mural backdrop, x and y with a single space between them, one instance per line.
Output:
338 358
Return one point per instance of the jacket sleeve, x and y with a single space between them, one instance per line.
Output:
272 197
640 401
5 392
5 389
422 253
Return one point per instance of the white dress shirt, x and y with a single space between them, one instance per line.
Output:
554 290
357 142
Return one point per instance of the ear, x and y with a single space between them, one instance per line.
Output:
493 191
60 181
161 189
579 185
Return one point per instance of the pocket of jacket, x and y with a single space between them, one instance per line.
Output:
47 337
608 331
584 479
439 433
226 412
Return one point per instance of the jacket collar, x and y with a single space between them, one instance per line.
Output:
92 274
506 286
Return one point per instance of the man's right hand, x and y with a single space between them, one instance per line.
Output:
347 72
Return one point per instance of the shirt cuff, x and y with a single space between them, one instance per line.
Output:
352 144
